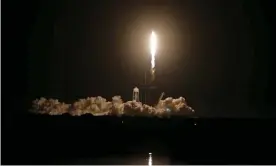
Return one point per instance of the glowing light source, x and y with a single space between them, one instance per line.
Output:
150 160
153 48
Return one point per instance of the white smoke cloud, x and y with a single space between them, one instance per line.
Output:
99 106
92 105
117 107
51 107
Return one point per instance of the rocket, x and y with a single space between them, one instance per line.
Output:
152 72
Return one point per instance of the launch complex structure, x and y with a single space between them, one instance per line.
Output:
147 88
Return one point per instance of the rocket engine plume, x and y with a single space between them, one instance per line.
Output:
153 47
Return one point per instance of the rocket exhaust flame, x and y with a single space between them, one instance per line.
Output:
153 47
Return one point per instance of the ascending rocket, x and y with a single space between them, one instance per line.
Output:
152 72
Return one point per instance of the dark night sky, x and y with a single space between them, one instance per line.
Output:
217 54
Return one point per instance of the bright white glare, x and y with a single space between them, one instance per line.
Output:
153 47
150 160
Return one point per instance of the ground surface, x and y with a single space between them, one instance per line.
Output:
38 139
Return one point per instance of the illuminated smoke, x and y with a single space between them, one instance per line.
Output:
51 107
98 106
92 105
117 106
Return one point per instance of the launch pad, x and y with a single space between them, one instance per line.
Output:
149 87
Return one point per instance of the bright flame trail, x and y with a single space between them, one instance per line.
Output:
153 46
150 159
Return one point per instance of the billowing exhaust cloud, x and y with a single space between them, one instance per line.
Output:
99 106
51 107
